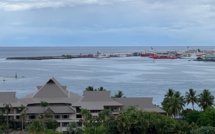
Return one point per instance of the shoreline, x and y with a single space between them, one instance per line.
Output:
71 56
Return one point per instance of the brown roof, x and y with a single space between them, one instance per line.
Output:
98 105
144 103
96 100
9 98
54 109
52 92
97 96
51 89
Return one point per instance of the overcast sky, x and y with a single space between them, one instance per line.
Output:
107 22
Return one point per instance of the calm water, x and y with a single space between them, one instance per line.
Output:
135 76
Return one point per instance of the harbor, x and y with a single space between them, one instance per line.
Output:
191 54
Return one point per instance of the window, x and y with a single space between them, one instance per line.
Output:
95 111
32 117
78 110
18 110
17 117
65 116
65 124
78 116
57 116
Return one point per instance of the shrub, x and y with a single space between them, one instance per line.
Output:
204 130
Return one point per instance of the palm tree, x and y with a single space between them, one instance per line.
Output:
23 113
191 97
165 103
169 93
119 94
44 104
175 106
87 117
178 95
90 88
205 99
104 115
71 129
7 108
173 102
36 127
101 89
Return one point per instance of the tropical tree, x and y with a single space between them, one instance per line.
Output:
205 99
87 117
3 125
204 130
93 125
175 106
133 120
72 127
178 95
207 117
90 88
51 124
119 94
22 109
44 104
173 103
169 93
101 89
191 116
7 108
191 97
37 126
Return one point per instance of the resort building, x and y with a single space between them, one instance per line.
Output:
65 106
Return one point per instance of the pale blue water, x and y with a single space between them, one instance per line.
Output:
135 76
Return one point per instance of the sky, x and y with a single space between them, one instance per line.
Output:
107 23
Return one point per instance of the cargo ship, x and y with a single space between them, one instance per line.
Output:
146 54
156 56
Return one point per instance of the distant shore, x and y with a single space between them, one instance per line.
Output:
71 56
45 57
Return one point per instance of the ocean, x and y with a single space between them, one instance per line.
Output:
135 76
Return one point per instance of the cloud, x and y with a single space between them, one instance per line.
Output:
18 5
134 19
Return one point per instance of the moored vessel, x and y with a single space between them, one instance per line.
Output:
156 56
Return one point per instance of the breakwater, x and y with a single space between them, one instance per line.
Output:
49 57
36 58
73 56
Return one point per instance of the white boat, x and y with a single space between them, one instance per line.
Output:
102 55
190 56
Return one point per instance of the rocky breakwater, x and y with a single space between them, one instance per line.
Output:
50 57
37 58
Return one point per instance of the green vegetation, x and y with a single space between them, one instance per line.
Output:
173 103
67 56
91 88
43 127
74 129
205 99
204 130
178 120
190 97
133 120
128 121
7 108
119 94
22 110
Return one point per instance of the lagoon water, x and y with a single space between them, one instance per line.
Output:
135 76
